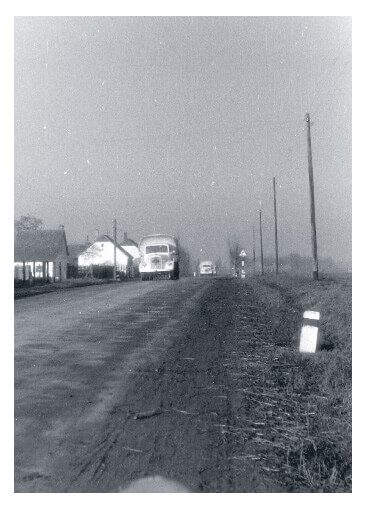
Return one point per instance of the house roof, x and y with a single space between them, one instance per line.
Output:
40 245
76 249
128 242
102 238
107 238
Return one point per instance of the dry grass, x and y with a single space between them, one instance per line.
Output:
304 402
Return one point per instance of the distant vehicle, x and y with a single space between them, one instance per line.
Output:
159 256
207 268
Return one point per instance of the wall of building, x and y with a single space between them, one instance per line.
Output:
102 253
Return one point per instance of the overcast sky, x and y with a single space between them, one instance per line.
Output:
179 124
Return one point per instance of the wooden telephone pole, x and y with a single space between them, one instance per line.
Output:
315 267
261 246
276 229
114 248
253 248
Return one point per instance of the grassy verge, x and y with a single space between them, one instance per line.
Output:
54 287
310 422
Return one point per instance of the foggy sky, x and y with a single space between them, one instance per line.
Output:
178 125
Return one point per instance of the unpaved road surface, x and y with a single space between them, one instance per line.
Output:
119 382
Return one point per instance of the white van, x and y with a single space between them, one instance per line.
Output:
206 268
159 256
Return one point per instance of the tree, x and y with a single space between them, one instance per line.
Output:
90 254
184 258
234 250
295 261
185 262
27 223
218 264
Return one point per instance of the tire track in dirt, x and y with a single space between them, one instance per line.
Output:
200 372
193 439
74 395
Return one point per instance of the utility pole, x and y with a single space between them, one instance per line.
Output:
315 268
114 249
276 229
253 247
261 246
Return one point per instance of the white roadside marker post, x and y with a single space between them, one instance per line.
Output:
309 332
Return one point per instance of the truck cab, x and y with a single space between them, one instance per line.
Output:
159 256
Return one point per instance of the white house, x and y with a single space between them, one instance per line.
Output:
130 246
101 253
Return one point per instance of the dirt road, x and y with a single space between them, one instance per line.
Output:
115 383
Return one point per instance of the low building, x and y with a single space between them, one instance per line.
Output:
131 247
41 255
74 251
98 259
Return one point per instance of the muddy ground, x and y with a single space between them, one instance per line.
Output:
163 378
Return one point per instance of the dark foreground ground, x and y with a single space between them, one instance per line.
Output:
199 381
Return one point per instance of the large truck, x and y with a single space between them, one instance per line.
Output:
159 256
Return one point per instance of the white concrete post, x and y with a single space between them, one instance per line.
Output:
309 332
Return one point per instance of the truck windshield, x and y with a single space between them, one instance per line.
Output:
162 248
